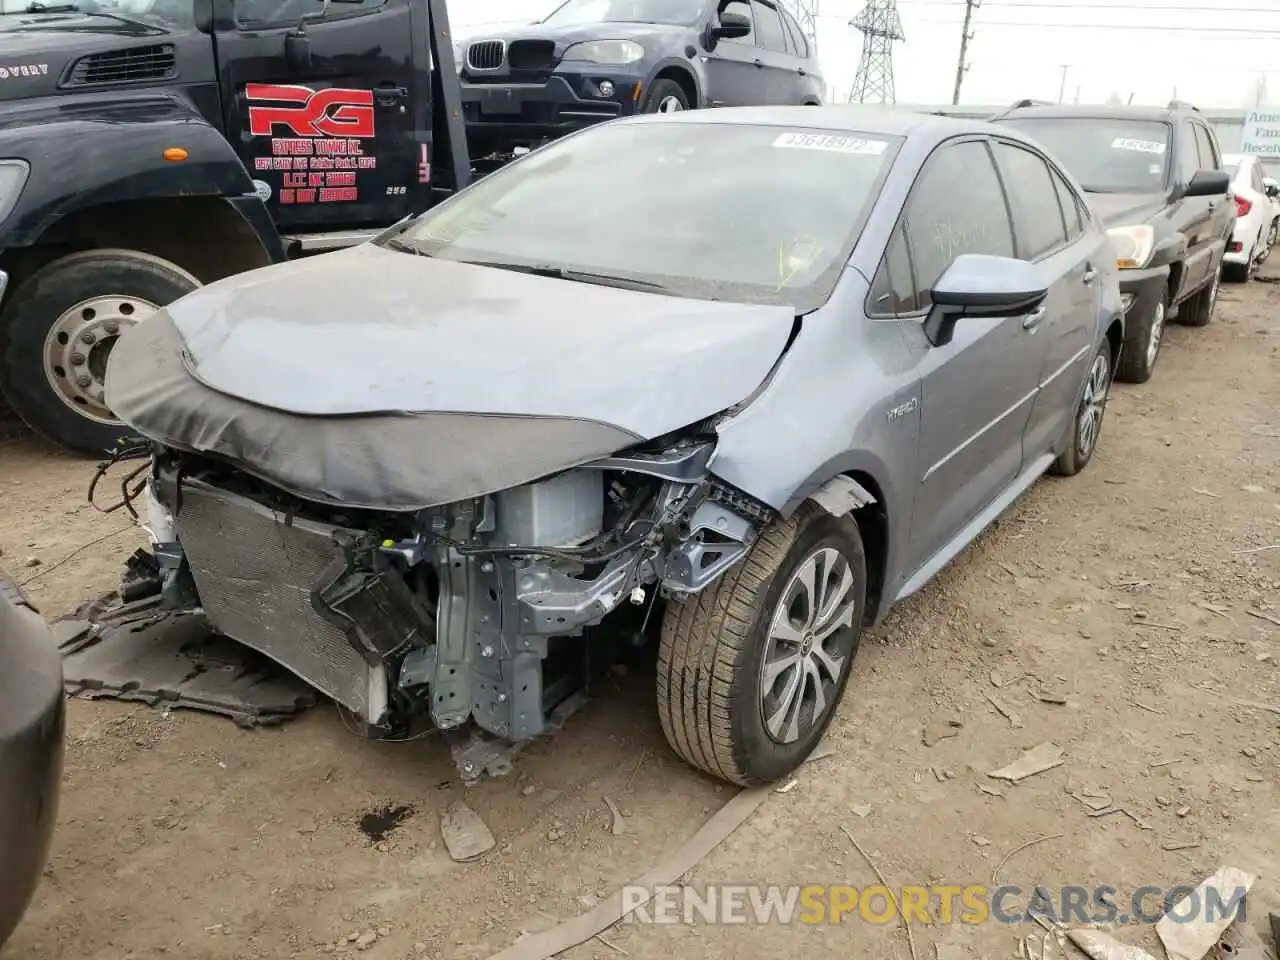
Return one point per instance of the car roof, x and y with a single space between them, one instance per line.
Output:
1078 112
837 118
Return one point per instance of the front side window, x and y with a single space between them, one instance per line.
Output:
1037 216
1208 150
893 292
143 13
1072 212
957 206
799 42
1105 155
759 214
769 27
675 12
256 13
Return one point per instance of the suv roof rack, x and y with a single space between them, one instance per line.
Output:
1182 105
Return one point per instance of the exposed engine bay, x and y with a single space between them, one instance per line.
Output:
451 615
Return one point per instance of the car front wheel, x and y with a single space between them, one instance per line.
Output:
751 670
1138 359
1086 426
665 96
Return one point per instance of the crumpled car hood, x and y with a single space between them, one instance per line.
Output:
380 379
372 330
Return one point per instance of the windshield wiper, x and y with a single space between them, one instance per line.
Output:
395 243
577 276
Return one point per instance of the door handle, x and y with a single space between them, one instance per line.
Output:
1090 275
758 62
1032 319
390 94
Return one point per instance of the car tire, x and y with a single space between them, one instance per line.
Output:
1086 425
65 318
1198 311
665 96
1139 357
712 688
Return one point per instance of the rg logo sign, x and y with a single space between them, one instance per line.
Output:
334 112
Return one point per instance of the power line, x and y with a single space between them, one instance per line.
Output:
1259 34
1092 6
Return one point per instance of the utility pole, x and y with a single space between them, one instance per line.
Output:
1077 97
965 36
1062 87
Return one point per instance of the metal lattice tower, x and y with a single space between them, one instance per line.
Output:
806 14
880 26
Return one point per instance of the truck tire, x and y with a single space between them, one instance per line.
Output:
59 328
665 96
787 619
1198 311
1139 356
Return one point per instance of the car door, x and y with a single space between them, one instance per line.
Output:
734 70
777 62
978 390
1049 231
1202 220
329 135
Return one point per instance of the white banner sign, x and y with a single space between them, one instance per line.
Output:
1261 134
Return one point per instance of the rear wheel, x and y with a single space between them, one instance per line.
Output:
1138 358
665 96
751 670
58 332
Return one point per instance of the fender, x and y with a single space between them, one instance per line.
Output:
54 138
1168 250
686 67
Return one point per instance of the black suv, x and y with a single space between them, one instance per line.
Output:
1154 176
593 60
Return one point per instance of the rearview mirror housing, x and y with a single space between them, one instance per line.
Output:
1208 183
980 285
732 26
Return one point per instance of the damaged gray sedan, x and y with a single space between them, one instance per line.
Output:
751 375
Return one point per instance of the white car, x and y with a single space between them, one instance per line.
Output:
1255 218
1273 191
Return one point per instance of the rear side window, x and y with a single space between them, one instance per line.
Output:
768 27
1037 216
742 9
799 42
955 207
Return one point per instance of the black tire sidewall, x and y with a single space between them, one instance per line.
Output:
30 314
661 89
758 755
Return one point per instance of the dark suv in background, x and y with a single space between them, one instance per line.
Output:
1154 176
593 60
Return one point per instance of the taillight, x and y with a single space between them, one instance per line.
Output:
1243 207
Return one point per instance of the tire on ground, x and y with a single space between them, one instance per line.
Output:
663 88
31 313
1075 457
1136 365
1198 310
713 643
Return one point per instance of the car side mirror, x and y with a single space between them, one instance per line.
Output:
732 26
1208 183
980 285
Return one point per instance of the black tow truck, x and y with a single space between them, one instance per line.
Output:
148 147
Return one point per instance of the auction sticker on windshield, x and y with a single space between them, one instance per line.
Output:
836 144
1142 146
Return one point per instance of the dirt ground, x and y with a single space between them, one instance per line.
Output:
1128 588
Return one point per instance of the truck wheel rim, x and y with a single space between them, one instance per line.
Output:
1157 332
670 105
78 345
807 646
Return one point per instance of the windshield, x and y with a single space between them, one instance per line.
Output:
757 214
683 12
159 13
1105 155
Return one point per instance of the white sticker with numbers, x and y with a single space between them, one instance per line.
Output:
832 143
1142 146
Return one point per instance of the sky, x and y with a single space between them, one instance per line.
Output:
1212 56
